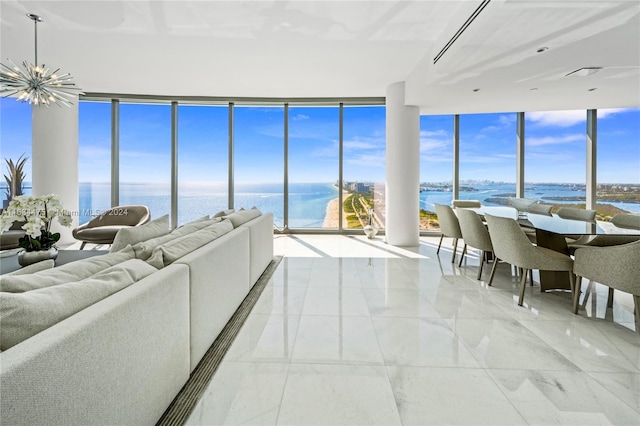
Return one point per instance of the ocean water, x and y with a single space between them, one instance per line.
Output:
307 201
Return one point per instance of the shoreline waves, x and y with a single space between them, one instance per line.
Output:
333 213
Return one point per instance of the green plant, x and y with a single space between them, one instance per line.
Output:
16 177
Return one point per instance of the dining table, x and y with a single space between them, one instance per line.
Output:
552 231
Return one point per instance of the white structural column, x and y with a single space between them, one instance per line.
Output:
402 199
55 159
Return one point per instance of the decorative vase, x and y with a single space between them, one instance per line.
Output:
370 231
29 257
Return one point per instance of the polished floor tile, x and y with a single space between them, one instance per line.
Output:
338 395
444 396
351 331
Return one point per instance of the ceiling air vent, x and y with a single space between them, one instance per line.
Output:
458 33
583 72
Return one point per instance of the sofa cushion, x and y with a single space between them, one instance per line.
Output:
26 314
143 249
73 271
243 216
34 267
171 251
135 234
223 213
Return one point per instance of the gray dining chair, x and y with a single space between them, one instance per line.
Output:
584 215
449 227
467 204
616 266
474 234
539 208
572 213
624 220
511 245
522 204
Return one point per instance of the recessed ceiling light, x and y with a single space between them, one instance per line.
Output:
593 89
583 72
542 49
476 90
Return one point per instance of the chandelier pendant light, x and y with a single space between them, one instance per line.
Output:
34 83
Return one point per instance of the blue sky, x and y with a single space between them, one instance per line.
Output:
555 148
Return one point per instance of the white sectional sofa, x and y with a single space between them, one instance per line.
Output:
123 359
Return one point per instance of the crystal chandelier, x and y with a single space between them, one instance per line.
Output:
35 84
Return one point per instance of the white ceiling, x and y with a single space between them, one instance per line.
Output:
293 49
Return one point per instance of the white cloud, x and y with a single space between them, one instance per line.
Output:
359 145
364 143
557 118
555 140
300 117
568 118
436 158
507 119
604 113
377 159
428 144
427 133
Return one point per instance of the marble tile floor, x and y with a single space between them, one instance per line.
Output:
351 331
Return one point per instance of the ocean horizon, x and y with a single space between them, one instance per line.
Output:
307 201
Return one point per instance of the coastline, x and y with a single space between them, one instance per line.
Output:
333 211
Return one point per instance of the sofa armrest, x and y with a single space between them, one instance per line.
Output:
261 244
219 282
119 361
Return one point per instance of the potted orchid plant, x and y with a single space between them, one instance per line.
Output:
37 213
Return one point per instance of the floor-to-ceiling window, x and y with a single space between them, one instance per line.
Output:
94 159
555 157
364 164
313 166
203 158
259 159
145 156
15 132
488 157
436 166
618 159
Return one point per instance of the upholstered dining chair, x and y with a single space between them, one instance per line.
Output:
102 229
467 204
511 245
585 215
474 234
540 208
615 266
449 227
522 204
624 220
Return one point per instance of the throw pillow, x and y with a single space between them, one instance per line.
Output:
144 248
73 271
173 250
26 314
34 267
243 216
135 234
223 213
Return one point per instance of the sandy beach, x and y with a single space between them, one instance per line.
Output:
333 210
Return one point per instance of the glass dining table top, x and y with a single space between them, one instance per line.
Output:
556 224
